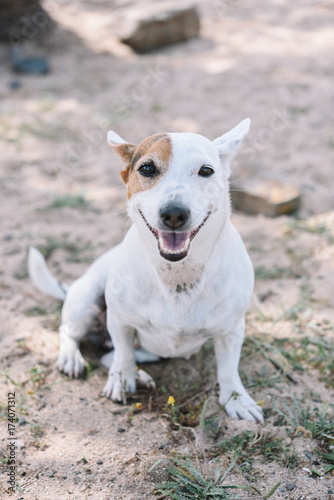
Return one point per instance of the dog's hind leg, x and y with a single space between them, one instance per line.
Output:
82 305
79 311
141 356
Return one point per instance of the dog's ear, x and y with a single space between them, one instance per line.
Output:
125 150
228 144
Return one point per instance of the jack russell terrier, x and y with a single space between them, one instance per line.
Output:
180 276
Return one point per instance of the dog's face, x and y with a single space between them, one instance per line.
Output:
176 182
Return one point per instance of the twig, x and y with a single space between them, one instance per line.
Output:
198 395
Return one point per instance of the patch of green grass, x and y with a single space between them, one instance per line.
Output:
69 200
262 378
309 351
276 273
157 106
36 311
296 353
270 352
53 244
37 432
295 111
8 378
314 423
91 366
248 445
188 482
38 374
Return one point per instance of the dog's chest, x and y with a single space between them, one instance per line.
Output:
178 325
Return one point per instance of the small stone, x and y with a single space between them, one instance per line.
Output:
158 472
264 196
308 454
14 84
51 473
165 23
99 462
31 65
120 429
20 443
22 421
290 486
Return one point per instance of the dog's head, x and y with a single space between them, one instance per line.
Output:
176 183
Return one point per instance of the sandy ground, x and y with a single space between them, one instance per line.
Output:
272 62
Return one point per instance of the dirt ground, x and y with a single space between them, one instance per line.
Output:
61 191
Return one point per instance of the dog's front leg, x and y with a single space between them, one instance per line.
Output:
122 373
233 396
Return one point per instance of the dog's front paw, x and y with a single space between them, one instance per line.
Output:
118 384
240 405
71 362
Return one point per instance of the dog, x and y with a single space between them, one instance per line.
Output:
181 275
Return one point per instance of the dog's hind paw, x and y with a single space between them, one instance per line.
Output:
71 363
118 385
145 380
241 406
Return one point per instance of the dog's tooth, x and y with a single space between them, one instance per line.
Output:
161 241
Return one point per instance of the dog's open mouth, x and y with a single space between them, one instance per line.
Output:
174 245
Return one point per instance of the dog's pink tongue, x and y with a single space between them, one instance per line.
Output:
174 241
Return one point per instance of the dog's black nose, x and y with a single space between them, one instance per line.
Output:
174 216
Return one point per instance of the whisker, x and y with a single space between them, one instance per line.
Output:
116 213
244 176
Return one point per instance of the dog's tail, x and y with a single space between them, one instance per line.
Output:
42 278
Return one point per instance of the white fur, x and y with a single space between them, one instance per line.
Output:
42 278
172 307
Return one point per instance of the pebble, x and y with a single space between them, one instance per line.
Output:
308 454
99 462
265 196
120 429
14 84
164 24
290 486
22 421
31 65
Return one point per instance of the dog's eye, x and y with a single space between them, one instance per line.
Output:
205 171
147 169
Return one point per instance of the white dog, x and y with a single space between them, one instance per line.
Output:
180 276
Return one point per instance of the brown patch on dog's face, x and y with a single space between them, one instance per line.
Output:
156 149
